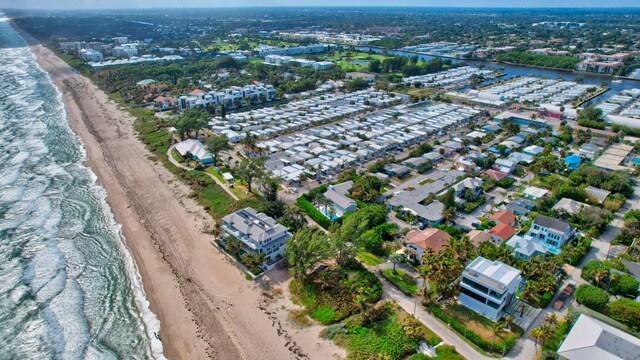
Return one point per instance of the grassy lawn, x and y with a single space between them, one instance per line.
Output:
386 332
478 323
401 280
369 259
211 170
419 92
340 58
176 156
425 181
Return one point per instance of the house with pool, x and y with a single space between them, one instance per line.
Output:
340 203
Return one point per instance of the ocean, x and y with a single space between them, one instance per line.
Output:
69 288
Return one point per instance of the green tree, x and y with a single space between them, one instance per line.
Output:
190 120
592 297
510 127
346 237
293 218
367 188
217 143
250 169
626 311
623 284
306 248
396 259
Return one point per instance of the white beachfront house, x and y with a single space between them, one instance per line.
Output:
552 232
257 232
487 287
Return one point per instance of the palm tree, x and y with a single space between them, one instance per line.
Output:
600 274
537 334
497 328
551 319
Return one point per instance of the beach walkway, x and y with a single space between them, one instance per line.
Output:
187 168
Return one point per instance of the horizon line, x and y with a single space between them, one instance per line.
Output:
327 6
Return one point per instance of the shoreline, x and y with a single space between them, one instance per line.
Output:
205 306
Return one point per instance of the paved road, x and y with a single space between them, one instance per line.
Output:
524 348
598 251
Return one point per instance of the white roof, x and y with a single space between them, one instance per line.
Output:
492 271
592 339
194 147
535 191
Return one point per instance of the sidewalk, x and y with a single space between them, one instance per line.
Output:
223 186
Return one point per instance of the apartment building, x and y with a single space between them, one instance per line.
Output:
231 97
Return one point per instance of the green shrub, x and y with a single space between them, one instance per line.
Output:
448 352
313 213
626 311
330 295
545 299
592 297
386 338
623 284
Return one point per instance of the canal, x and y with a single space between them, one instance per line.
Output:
518 70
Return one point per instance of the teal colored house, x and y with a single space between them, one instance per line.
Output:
573 161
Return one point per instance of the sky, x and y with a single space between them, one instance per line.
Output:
114 4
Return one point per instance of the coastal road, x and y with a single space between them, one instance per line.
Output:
524 348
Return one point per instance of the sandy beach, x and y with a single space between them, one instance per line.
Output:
206 307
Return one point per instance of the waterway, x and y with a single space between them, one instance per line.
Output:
518 70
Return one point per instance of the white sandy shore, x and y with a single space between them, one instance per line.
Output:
205 305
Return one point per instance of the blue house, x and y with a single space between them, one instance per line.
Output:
573 161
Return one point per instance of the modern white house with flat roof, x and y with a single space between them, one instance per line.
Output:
487 287
257 232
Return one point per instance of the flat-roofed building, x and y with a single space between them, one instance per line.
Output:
487 287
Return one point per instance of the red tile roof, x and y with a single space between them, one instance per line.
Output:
495 174
503 231
433 238
504 217
196 92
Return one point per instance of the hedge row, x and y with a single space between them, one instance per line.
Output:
507 344
313 213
